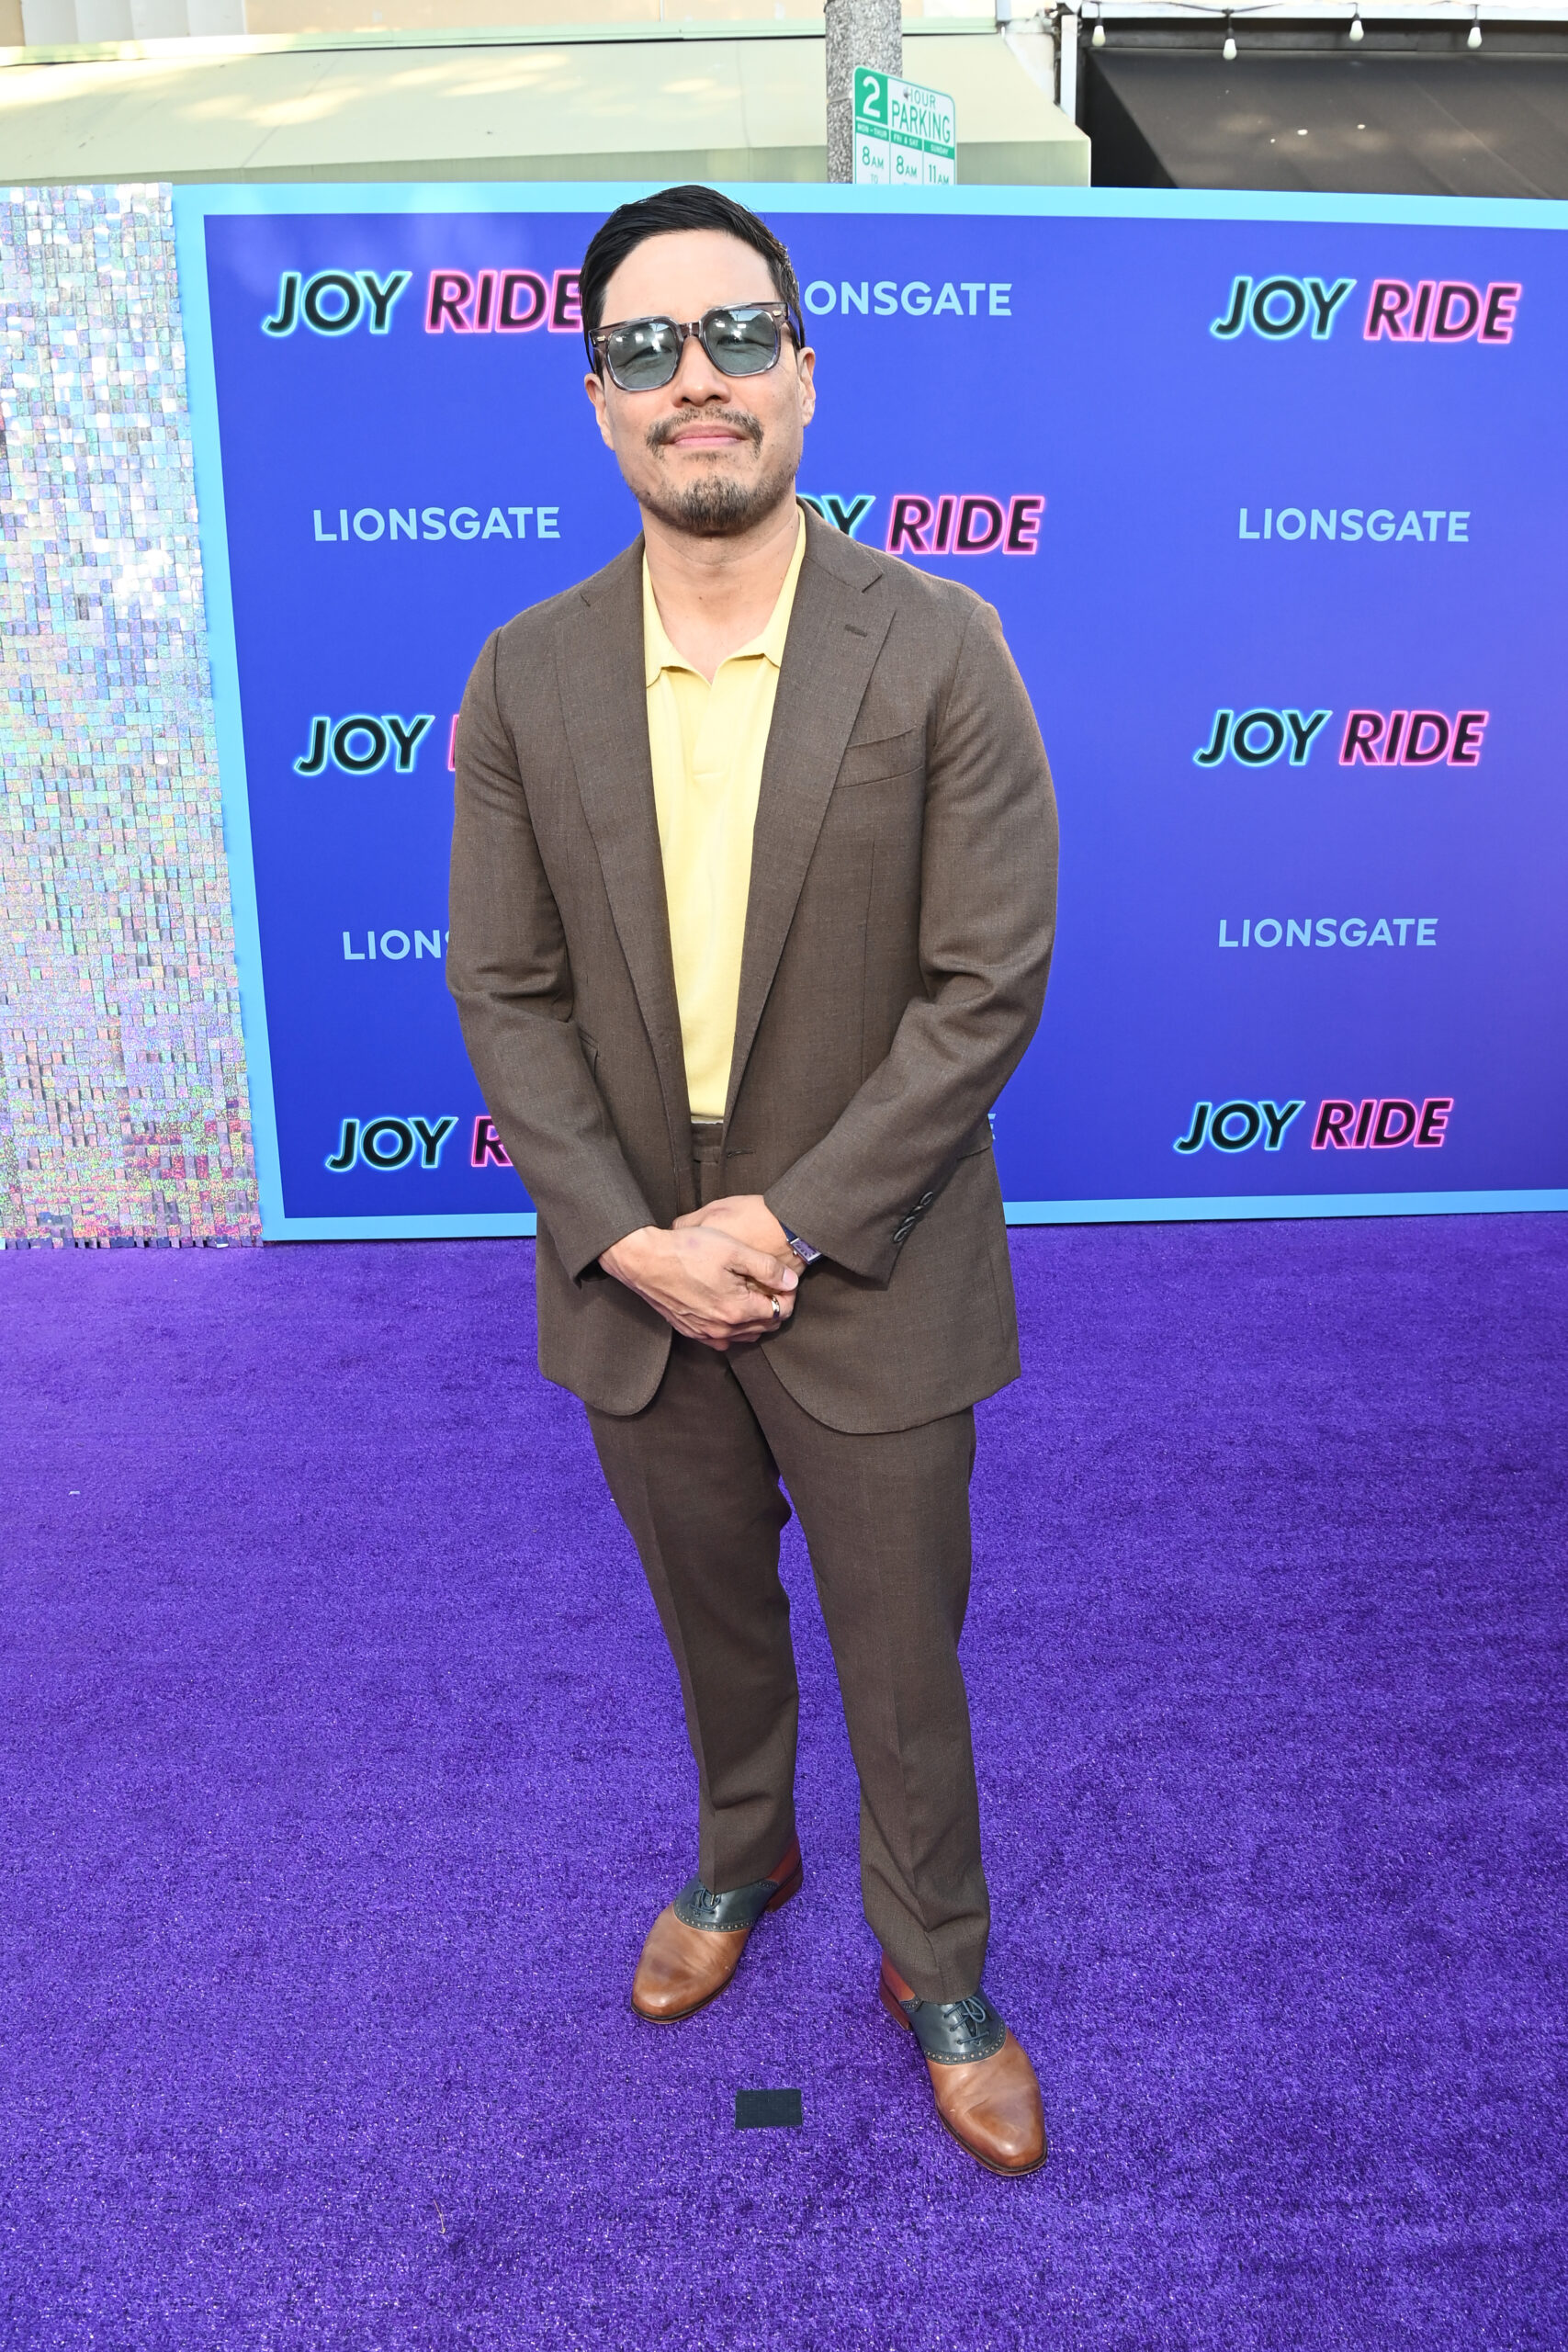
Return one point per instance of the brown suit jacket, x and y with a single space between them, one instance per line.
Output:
897 939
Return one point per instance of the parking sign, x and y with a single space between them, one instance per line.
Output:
906 136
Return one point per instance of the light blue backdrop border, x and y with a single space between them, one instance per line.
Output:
195 205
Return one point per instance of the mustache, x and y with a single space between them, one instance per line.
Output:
660 436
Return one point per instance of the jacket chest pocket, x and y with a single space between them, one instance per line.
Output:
889 755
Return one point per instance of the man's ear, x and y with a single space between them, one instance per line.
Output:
805 362
595 391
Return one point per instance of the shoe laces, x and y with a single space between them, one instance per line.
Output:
972 2011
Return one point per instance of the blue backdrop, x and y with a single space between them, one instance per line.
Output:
1270 495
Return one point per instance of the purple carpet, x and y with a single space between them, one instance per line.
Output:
344 1772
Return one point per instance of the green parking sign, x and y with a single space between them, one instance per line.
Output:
905 136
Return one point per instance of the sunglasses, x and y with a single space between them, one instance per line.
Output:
740 338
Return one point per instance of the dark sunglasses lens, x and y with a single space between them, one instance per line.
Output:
642 355
742 343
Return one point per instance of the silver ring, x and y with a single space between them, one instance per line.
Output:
778 1312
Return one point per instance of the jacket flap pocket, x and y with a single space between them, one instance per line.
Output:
864 763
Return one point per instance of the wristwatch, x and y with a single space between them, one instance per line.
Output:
803 1249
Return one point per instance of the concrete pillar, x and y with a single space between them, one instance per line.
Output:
860 32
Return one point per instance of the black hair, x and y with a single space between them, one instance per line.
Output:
675 208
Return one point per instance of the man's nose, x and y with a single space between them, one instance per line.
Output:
696 377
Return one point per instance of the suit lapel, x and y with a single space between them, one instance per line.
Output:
835 635
599 666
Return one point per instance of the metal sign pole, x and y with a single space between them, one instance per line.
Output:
1067 64
860 32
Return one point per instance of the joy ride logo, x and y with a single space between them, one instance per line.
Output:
1435 310
1411 738
1380 1123
462 302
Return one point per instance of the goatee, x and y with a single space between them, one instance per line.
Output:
716 505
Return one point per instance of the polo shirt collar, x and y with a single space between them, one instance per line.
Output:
659 654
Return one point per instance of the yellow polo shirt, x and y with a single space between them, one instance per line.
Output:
707 743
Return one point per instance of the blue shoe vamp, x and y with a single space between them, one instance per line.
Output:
740 1906
957 2033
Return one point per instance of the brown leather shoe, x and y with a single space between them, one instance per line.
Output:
986 2095
693 1947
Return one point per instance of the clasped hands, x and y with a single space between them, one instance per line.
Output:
720 1274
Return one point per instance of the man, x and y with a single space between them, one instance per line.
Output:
752 889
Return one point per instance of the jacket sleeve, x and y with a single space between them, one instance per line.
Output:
987 917
508 969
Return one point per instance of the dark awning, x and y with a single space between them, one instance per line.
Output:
1163 109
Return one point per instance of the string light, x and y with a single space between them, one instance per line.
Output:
1096 38
1228 51
1358 30
1472 38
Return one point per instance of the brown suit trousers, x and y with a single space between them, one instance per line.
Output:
695 1476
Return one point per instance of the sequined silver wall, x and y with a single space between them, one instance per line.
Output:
123 1111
